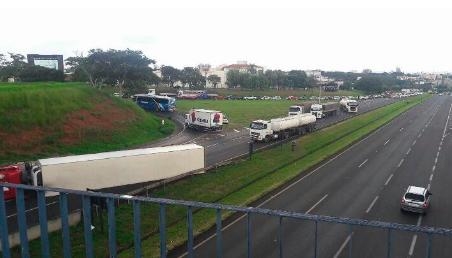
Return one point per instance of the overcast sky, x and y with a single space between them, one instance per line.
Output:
324 34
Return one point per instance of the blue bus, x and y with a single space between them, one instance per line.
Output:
155 102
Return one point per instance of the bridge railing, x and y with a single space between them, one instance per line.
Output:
110 200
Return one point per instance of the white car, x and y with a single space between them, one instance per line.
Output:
416 199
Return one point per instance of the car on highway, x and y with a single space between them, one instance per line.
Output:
416 199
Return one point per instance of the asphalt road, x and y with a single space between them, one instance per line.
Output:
365 181
219 147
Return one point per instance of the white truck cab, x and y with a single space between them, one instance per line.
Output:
296 110
317 110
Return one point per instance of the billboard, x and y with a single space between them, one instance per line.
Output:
48 61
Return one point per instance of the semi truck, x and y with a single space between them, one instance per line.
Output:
107 169
300 109
204 120
324 110
349 105
277 128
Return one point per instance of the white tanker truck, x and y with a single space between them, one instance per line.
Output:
264 130
349 105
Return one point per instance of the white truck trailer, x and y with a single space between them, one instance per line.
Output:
349 105
113 169
264 130
324 110
204 120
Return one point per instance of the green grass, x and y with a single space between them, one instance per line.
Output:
39 111
246 182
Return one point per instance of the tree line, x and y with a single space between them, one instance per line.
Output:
130 71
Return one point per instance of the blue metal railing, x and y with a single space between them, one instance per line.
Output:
110 200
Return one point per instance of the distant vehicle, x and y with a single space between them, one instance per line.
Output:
192 94
249 98
324 110
264 130
336 98
225 119
265 98
155 102
349 105
291 98
276 98
416 199
204 120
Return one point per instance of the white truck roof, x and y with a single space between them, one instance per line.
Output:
206 110
116 154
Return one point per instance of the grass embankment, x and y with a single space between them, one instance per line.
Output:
49 119
238 184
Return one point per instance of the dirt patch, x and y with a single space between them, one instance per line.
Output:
102 121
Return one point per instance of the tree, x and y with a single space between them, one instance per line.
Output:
214 80
192 77
13 66
297 79
370 84
170 75
234 79
127 70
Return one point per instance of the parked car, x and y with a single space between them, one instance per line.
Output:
250 98
225 119
416 199
291 98
276 98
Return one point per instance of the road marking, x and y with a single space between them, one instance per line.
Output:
237 131
389 179
349 237
372 204
413 242
408 152
400 163
386 142
419 135
413 143
32 209
401 129
436 159
431 177
364 162
212 145
428 186
317 203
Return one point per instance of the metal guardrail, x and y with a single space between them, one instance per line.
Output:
111 199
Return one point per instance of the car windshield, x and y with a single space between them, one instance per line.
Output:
414 197
257 126
316 108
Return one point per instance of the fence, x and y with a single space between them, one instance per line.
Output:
110 200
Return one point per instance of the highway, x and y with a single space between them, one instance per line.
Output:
219 147
366 181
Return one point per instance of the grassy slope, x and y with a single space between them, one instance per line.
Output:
37 114
247 181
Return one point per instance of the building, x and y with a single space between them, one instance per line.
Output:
222 71
49 61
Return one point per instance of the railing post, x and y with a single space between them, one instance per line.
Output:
190 232
388 253
86 204
21 219
4 226
219 236
65 225
111 227
42 213
162 229
315 239
248 234
429 245
280 234
137 228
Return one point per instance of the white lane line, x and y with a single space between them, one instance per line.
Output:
401 129
436 159
431 177
419 135
349 237
428 186
413 241
447 121
316 204
413 143
386 142
237 131
389 179
212 145
408 152
400 163
32 209
433 168
364 162
372 204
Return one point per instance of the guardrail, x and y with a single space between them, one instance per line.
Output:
110 200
